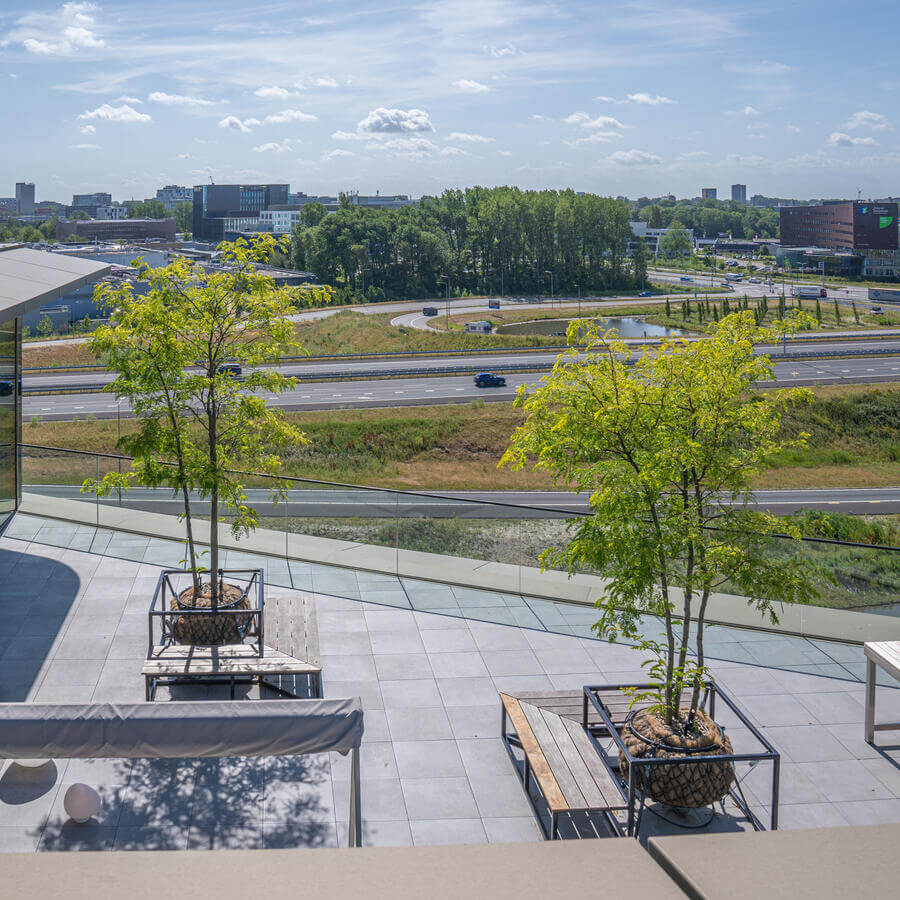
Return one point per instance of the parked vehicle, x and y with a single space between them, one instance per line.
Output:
733 276
489 379
429 311
877 310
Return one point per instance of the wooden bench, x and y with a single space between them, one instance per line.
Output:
183 664
884 655
569 773
292 629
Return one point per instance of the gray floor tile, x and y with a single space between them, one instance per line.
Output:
844 780
498 638
382 801
380 834
428 759
447 831
461 664
809 743
468 691
474 722
150 838
418 724
74 836
448 640
410 692
438 798
871 812
518 830
810 815
500 796
397 666
512 662
376 761
776 709
18 839
349 667
835 708
484 757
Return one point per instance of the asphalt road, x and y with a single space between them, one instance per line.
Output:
437 389
362 503
487 360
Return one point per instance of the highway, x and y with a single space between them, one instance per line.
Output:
418 390
369 503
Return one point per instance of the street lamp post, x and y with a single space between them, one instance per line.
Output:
552 294
578 288
447 317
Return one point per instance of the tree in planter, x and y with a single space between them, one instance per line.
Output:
198 423
656 445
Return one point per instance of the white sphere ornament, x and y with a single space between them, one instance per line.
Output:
81 802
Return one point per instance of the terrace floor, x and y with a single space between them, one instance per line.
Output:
427 660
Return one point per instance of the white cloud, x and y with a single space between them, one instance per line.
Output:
84 147
273 147
505 50
394 121
634 158
648 100
88 129
585 121
274 92
596 137
64 32
287 115
471 87
13 75
764 67
337 153
504 153
322 81
750 111
839 139
467 138
124 113
185 156
179 99
537 117
454 151
417 145
134 101
233 123
866 119
793 129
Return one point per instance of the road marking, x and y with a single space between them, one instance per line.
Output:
399 392
429 390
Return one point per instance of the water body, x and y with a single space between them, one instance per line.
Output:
626 326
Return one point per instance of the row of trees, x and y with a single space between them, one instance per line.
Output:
709 218
481 240
14 232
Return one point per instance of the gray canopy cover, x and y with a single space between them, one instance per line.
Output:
179 729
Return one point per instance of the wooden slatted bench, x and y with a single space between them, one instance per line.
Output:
569 773
292 628
182 664
879 655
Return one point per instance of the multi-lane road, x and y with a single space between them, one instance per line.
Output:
318 502
369 390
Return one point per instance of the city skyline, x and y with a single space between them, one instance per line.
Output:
637 99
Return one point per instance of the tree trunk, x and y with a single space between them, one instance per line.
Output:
213 501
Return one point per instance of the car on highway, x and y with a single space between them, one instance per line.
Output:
429 311
686 278
754 281
645 294
232 370
489 379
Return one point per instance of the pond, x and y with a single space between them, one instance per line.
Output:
626 326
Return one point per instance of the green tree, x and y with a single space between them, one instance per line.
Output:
668 308
197 424
837 312
656 446
149 209
654 217
855 312
311 214
818 312
45 326
184 216
676 241
639 265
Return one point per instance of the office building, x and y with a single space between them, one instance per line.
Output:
225 209
90 203
739 193
649 237
853 225
708 193
380 201
173 194
117 230
112 212
24 198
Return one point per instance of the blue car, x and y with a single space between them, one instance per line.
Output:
489 379
645 294
686 278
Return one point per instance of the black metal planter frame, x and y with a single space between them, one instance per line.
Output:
248 622
628 788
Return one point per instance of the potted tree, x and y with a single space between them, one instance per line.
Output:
192 355
667 449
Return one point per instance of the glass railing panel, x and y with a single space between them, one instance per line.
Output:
52 480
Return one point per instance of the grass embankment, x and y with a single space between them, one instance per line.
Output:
854 442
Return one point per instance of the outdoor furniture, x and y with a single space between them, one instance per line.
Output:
884 655
560 734
566 767
185 730
239 623
231 663
292 629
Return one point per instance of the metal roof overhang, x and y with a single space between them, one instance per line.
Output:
33 278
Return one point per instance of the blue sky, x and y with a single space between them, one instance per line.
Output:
634 98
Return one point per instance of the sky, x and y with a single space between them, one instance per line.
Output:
620 98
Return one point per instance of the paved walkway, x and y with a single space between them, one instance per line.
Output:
73 629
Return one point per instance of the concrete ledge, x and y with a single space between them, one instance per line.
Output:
501 872
724 609
784 865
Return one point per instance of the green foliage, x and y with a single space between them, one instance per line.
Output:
184 216
45 326
710 217
472 236
198 424
655 445
148 209
676 241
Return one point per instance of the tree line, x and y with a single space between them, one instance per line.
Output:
709 218
477 241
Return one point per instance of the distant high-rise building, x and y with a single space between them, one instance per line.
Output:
90 203
173 194
739 193
223 208
24 198
708 193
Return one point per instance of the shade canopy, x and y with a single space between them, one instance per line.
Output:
179 729
33 278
